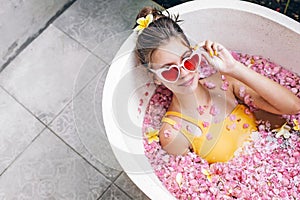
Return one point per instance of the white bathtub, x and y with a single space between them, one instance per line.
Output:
238 25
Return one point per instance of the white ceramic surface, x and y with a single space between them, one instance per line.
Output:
238 25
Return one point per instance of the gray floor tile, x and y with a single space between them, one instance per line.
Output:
49 169
125 183
91 21
101 25
114 193
81 126
18 129
20 20
108 48
43 76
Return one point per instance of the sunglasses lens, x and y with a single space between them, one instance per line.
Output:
170 74
192 63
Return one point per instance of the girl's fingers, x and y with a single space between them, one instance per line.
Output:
202 43
215 47
208 47
214 61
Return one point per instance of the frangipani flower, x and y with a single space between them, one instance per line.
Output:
179 179
207 174
284 131
297 125
143 22
152 136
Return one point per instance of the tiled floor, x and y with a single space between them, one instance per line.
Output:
52 140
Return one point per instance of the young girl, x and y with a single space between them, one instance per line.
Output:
208 116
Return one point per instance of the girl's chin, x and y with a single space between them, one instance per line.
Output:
187 90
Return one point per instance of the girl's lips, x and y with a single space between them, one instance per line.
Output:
187 83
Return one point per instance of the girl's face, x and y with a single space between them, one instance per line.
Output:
173 53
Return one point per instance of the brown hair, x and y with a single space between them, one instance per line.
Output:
158 33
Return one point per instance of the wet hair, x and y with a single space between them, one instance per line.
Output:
159 32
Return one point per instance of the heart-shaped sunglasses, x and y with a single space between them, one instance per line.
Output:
171 73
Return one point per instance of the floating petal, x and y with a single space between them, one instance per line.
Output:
179 179
152 136
297 126
207 174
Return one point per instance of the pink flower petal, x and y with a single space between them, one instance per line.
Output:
232 117
167 133
194 182
177 126
201 110
141 102
225 85
231 127
242 91
209 136
294 90
214 110
205 124
245 125
235 55
223 77
209 85
247 99
247 111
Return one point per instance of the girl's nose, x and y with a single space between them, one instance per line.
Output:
183 71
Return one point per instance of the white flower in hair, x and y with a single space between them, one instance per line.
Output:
143 22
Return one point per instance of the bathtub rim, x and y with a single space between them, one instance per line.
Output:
243 6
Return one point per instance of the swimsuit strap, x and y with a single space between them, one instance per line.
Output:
191 138
169 121
187 118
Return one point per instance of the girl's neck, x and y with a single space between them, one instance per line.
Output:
188 103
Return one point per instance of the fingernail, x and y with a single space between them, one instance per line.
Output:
211 53
196 47
216 53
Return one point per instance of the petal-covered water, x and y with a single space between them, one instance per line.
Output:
266 167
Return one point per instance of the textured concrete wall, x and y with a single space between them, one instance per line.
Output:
21 21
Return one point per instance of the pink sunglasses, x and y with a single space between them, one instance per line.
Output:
171 73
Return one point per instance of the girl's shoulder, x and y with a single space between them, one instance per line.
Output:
172 141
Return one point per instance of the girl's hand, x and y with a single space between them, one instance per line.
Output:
218 56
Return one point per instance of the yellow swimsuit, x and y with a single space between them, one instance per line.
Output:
218 141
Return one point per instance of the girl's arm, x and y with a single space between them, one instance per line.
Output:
265 93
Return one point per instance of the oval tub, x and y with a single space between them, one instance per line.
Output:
239 26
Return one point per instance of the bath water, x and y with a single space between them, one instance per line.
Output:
268 166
